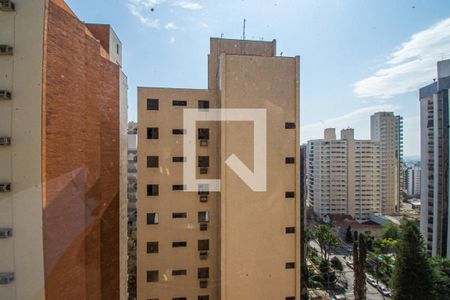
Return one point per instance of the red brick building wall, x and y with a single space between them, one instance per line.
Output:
80 140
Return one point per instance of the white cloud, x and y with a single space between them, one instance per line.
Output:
351 119
138 9
188 5
172 40
411 66
171 26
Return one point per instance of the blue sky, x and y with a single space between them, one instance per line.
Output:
357 57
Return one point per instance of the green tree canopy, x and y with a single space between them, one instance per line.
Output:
390 231
412 278
326 240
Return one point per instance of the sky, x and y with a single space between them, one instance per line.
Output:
357 56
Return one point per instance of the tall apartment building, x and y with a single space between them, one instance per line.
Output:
62 144
434 195
413 180
236 243
343 175
387 130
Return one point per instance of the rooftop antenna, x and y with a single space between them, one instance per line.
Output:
221 35
243 32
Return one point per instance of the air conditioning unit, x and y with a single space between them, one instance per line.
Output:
203 227
6 277
203 170
5 233
5 187
5 95
203 255
6 50
203 284
203 198
7 5
203 143
4 141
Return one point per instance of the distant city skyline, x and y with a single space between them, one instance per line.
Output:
357 58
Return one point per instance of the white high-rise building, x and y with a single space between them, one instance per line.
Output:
343 176
434 195
413 180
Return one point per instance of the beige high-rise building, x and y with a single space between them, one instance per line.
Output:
236 243
342 175
387 130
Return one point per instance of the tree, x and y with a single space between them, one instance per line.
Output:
326 239
390 231
348 235
441 277
412 278
359 265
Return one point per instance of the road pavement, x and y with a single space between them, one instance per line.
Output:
340 253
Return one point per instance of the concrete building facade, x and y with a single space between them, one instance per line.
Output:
236 243
413 180
387 130
434 195
62 124
343 175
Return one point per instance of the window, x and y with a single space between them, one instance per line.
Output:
178 159
203 227
290 265
179 298
203 273
290 194
289 125
203 245
203 161
179 244
152 133
152 276
179 272
152 218
152 247
181 215
152 104
203 104
152 161
290 160
203 297
203 217
290 298
152 190
203 133
290 229
178 131
179 103
177 187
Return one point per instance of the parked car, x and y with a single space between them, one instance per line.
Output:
372 281
384 290
350 264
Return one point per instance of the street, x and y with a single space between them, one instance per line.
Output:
340 253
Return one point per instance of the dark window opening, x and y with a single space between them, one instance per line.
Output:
179 103
153 133
152 104
179 244
203 133
152 161
203 161
152 247
203 245
152 276
152 190
152 218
